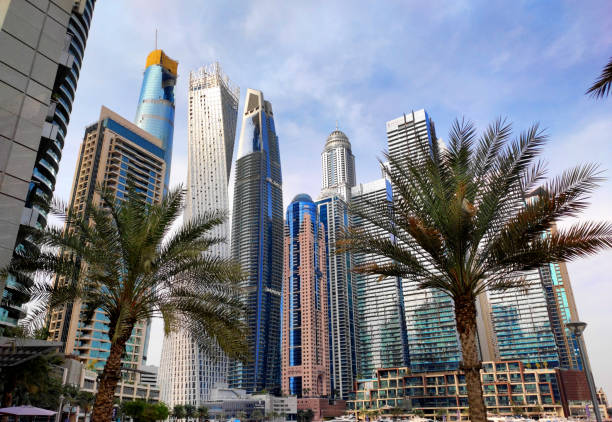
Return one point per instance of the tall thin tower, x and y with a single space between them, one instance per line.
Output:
338 177
186 372
257 243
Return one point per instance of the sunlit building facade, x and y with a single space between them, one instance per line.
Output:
338 177
113 150
187 373
305 337
43 44
257 244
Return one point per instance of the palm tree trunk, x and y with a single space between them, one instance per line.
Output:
465 315
103 406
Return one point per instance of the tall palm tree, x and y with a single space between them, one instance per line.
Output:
123 258
475 216
602 86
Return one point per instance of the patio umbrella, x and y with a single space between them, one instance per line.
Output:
19 411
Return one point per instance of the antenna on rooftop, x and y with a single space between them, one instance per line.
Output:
336 124
156 38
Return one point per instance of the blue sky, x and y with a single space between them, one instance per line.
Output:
364 63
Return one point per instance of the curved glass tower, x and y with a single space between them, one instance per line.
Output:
40 133
155 112
257 243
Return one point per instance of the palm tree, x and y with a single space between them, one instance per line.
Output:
85 400
121 257
202 412
178 412
190 411
476 216
602 86
71 398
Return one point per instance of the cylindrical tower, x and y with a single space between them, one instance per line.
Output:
338 165
155 112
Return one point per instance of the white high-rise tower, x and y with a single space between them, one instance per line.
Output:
186 373
338 165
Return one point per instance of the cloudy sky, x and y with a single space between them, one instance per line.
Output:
364 63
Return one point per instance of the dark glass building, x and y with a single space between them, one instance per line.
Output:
257 244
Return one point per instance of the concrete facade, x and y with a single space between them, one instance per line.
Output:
38 41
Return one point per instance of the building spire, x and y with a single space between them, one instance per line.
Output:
336 124
156 38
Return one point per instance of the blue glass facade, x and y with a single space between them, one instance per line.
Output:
155 112
522 324
257 244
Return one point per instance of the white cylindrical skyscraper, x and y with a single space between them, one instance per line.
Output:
187 373
338 165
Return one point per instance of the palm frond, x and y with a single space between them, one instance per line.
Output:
602 86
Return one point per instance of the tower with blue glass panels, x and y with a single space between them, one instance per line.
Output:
305 339
155 112
257 244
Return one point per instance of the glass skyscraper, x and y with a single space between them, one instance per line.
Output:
187 373
155 112
433 342
305 339
257 244
380 307
522 324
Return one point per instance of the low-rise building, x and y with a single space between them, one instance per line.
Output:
228 402
510 388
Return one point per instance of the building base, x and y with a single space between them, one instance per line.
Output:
322 408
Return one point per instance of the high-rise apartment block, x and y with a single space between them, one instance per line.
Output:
187 373
380 302
113 151
42 44
338 168
433 342
257 244
305 340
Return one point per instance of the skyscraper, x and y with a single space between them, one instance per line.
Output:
155 112
112 151
522 324
433 342
186 372
380 302
43 43
338 169
305 339
257 243
561 310
338 165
